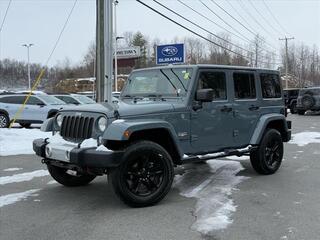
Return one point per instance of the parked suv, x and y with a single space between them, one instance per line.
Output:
75 99
308 99
169 116
37 109
290 97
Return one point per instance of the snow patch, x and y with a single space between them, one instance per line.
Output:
118 121
22 177
211 184
305 138
89 143
52 182
236 158
12 169
17 141
103 148
16 197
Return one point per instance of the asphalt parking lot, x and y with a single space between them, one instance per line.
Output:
281 206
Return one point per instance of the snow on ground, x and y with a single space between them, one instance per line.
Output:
17 141
16 197
22 177
12 169
211 184
305 138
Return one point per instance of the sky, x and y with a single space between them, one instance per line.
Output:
40 21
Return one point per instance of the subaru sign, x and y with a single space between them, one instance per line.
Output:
170 54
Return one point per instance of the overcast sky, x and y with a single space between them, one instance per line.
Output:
39 22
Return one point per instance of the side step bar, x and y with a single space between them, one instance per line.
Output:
228 152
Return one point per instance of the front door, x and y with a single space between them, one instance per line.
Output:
211 123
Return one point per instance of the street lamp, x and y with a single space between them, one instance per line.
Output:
28 46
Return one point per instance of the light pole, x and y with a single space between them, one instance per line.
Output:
115 47
28 46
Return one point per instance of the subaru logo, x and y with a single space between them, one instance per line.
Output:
169 51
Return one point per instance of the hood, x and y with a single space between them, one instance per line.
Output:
125 108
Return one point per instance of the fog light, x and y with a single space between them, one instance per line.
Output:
68 155
99 140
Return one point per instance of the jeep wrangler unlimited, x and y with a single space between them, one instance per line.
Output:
168 116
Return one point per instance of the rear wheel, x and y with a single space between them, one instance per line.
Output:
145 176
4 120
268 157
69 178
25 125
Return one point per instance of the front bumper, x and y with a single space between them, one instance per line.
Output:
82 157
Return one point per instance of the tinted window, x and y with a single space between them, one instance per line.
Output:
34 101
270 85
13 99
244 86
67 99
215 81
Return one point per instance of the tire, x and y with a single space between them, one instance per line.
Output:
145 176
25 125
267 158
301 112
63 177
293 108
307 101
4 120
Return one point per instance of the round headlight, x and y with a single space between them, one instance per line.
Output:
59 120
102 124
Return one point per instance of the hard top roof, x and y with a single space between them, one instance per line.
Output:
213 66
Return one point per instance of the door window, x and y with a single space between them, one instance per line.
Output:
13 99
34 101
270 85
216 81
244 86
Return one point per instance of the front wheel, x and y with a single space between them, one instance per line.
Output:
145 176
4 120
293 108
69 178
268 157
301 112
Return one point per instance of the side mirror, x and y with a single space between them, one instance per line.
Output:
204 95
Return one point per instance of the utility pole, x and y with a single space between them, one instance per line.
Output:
115 48
287 57
104 50
28 46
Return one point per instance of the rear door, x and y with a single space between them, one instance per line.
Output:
246 106
35 110
12 104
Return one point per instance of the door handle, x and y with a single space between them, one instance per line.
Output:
226 109
253 108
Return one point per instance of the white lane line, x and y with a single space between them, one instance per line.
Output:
16 197
212 185
12 169
22 177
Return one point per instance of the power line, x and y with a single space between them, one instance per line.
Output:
195 33
197 25
61 32
252 17
274 17
223 20
5 15
261 15
202 15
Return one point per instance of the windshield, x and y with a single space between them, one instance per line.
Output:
167 82
83 99
51 100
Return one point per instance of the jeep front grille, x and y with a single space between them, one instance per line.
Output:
77 128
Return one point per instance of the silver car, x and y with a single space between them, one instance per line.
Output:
75 99
37 109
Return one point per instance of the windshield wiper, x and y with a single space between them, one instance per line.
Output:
179 80
175 88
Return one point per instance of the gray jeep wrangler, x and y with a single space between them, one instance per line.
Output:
168 116
308 100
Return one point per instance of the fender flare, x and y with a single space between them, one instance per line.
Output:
262 125
116 130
